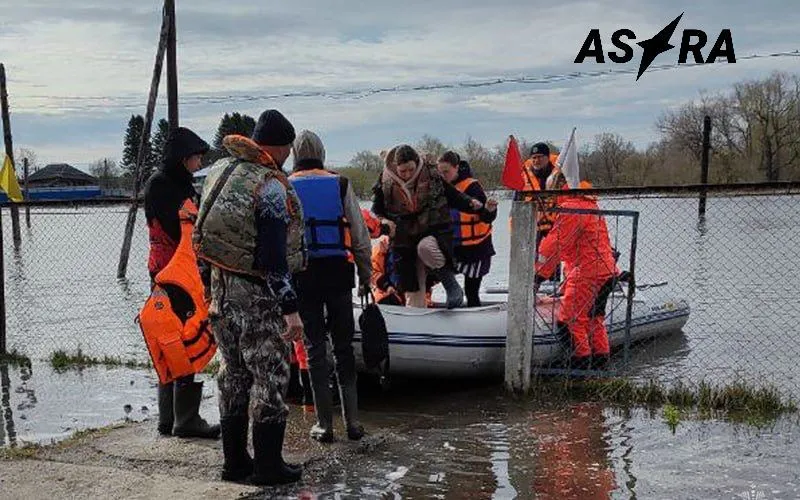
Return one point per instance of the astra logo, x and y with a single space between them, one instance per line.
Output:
692 42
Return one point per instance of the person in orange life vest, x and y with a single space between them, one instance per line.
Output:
536 170
582 242
164 194
338 244
472 237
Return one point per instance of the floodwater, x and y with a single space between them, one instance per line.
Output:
738 270
455 440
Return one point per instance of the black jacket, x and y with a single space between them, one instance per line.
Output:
165 192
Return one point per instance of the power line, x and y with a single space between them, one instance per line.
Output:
133 102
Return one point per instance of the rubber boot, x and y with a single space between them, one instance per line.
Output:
322 431
307 400
166 416
349 395
238 465
188 422
600 362
455 295
581 363
293 468
268 465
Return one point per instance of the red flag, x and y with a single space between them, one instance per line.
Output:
512 172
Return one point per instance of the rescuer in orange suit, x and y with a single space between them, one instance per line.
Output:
581 241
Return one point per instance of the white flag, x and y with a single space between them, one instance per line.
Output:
568 161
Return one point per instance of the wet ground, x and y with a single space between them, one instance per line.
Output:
427 439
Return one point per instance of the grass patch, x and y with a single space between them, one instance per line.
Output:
212 367
16 359
737 401
61 361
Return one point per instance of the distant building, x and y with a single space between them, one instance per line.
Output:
59 182
60 175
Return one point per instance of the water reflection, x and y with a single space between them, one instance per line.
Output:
8 432
572 458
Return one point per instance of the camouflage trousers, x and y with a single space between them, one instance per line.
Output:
254 370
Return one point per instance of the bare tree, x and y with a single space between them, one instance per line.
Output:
607 158
770 109
367 160
431 147
33 161
106 171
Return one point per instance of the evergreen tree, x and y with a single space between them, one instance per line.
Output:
159 143
130 151
235 123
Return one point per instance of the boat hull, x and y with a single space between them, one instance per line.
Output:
470 342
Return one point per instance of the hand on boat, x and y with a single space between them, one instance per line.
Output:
491 204
294 327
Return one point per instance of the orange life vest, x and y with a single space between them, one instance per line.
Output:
544 218
180 342
468 229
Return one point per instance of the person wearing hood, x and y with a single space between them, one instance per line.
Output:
338 248
415 201
250 230
165 193
472 237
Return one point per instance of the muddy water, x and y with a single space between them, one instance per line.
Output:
459 440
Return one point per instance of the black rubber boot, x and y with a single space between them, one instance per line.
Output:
600 362
349 395
455 295
166 416
238 465
188 422
268 465
294 468
322 431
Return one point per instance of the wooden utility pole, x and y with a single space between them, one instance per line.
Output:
172 67
25 163
704 165
9 150
521 298
140 158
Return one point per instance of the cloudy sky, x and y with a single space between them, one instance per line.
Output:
78 69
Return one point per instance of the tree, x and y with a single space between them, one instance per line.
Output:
367 160
431 146
130 152
106 172
607 158
33 161
159 143
771 110
235 123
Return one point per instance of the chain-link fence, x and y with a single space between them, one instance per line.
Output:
737 272
715 297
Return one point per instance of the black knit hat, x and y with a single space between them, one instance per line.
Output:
540 148
273 129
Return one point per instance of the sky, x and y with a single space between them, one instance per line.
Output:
78 69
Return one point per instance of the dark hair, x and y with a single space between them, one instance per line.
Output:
405 153
450 157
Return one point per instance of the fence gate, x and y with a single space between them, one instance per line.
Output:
569 312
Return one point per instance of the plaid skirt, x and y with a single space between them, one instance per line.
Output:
474 268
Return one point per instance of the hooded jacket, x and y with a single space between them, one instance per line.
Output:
164 195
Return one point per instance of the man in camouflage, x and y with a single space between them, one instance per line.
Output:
250 229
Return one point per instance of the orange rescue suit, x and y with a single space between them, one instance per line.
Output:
180 341
581 241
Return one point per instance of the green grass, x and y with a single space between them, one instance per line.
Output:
737 401
15 358
62 360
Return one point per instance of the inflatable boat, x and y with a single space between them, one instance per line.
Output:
467 342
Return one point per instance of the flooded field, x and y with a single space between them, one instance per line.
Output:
462 440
